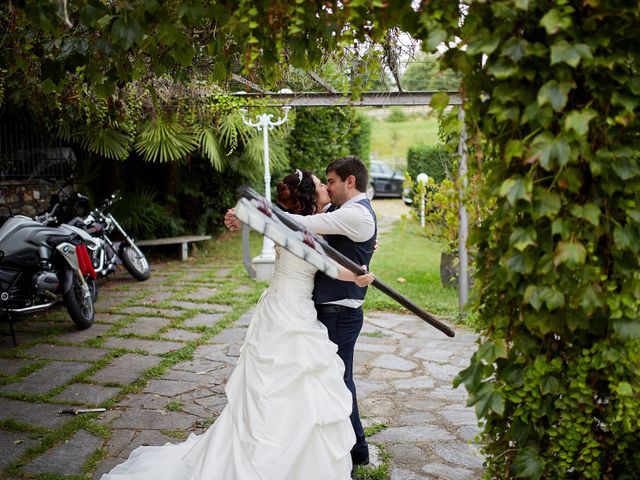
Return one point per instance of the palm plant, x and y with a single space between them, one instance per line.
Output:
105 141
166 139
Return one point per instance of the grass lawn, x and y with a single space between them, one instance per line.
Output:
409 262
390 141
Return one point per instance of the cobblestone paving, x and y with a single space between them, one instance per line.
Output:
158 358
404 369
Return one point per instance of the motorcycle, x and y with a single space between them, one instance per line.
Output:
106 254
39 265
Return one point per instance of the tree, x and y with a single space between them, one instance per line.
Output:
321 135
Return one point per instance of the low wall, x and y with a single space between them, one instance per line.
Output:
26 197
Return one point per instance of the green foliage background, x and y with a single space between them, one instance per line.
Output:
321 135
433 160
552 93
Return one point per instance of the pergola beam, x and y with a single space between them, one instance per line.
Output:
367 99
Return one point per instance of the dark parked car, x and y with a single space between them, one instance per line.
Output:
385 181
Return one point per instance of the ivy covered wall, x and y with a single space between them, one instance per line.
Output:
553 90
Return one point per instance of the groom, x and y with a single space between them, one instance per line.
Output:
349 226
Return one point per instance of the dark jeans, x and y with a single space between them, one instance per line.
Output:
344 325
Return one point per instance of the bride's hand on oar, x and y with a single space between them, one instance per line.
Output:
230 220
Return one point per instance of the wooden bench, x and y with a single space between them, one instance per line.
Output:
182 241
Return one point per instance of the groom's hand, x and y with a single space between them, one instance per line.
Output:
366 279
230 220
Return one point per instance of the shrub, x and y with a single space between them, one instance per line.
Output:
143 216
432 160
396 115
321 135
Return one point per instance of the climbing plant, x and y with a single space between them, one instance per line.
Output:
552 92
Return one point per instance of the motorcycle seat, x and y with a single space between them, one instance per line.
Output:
94 229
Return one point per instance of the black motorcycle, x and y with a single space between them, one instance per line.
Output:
106 253
41 264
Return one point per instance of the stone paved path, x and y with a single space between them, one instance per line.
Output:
169 331
404 369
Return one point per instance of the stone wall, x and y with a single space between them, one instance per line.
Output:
26 197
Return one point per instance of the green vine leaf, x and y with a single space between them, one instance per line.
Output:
528 464
492 350
521 238
470 376
555 94
627 329
515 189
554 21
126 31
624 389
435 38
572 253
625 238
552 298
545 204
486 399
551 151
589 212
571 54
627 101
626 168
439 101
578 121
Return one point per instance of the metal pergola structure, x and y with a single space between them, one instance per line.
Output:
365 99
389 99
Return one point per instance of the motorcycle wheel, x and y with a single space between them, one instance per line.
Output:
136 265
79 306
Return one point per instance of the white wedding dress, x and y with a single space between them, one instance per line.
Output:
287 416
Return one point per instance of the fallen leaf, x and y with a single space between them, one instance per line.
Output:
400 280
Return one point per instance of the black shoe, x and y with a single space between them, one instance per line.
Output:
360 452
360 457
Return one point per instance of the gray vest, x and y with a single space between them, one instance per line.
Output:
329 290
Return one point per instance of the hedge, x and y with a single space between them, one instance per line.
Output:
432 160
321 135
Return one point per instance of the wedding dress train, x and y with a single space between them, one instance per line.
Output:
287 416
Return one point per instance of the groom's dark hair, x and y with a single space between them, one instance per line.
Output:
351 165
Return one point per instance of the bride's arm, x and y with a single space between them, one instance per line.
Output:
360 280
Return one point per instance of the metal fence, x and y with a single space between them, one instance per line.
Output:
26 153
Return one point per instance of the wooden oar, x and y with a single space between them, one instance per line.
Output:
332 253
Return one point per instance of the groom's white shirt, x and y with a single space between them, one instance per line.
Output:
352 220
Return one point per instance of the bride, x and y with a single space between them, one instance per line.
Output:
287 416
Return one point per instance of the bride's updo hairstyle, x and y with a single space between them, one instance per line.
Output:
297 193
